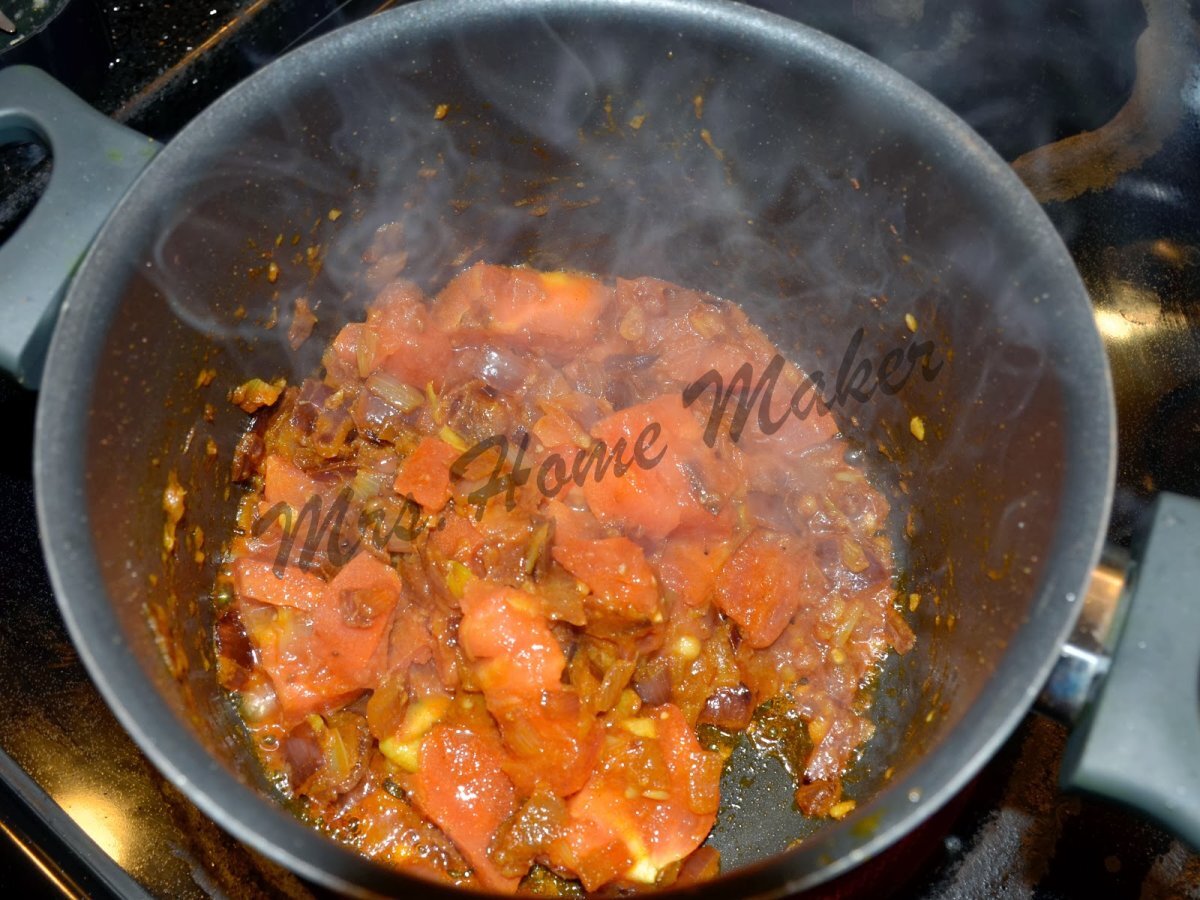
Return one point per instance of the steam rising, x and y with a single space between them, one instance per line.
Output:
620 151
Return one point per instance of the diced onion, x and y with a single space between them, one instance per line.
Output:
458 577
642 871
614 682
369 483
388 387
364 353
423 715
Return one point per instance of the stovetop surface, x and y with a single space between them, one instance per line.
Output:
1025 75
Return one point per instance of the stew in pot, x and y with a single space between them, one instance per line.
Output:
514 572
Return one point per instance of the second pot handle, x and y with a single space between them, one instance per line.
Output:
1138 742
94 160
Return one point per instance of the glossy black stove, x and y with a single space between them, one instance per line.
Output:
83 812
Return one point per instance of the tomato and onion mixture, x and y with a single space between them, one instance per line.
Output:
494 599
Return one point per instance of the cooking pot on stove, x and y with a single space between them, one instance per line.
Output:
811 184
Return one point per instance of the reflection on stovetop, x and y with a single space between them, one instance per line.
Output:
1024 75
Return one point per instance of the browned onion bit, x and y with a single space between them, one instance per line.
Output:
653 682
729 708
527 833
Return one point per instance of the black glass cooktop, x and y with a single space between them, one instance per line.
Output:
1048 84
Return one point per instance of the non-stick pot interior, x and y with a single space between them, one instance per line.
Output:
716 148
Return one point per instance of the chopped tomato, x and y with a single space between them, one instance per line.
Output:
356 615
254 580
691 358
342 357
425 474
505 629
285 482
616 571
399 336
590 847
557 430
779 438
782 450
307 529
302 684
520 667
688 567
765 581
327 642
558 309
460 784
663 489
552 743
510 675
573 524
457 539
695 772
656 824
409 345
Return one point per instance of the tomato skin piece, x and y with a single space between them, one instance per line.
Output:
425 474
622 582
504 629
768 578
461 786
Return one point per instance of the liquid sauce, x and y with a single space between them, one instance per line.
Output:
493 581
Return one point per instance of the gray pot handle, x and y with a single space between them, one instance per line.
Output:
94 160
1138 742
